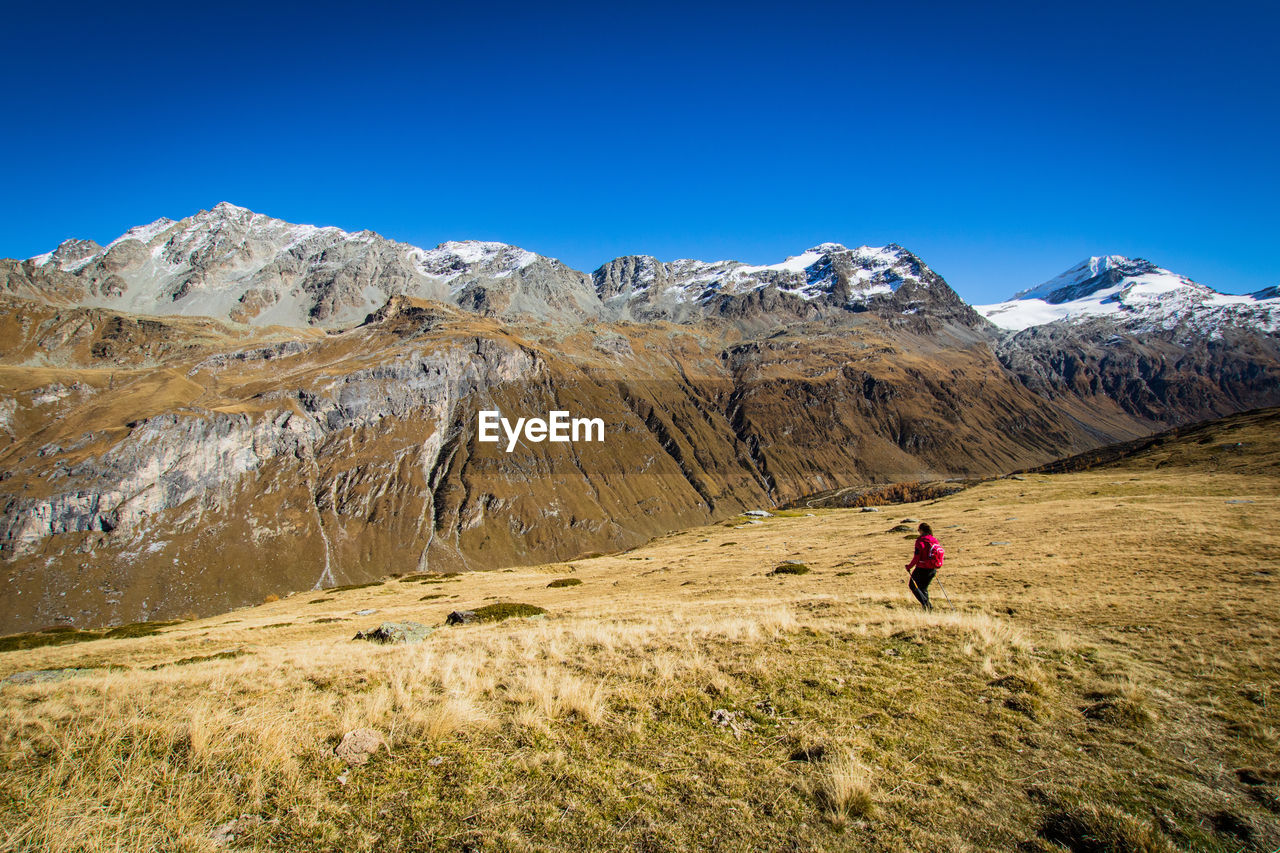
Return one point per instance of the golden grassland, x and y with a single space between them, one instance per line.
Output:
1107 680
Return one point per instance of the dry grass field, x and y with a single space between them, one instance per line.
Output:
1106 680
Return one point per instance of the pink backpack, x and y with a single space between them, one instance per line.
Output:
937 555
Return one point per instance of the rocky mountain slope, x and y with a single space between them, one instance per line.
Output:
824 281
1165 349
241 266
210 411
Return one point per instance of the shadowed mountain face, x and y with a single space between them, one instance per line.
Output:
242 432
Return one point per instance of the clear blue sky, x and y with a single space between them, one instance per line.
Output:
1000 141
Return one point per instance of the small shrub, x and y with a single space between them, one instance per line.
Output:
790 569
559 583
334 589
506 610
432 596
271 598
58 635
136 629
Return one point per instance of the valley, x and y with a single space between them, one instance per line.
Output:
1104 674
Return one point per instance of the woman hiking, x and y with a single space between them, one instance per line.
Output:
926 561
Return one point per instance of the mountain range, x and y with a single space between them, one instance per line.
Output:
212 410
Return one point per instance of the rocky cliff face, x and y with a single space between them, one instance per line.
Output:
286 407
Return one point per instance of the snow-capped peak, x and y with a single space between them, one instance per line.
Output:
1127 290
145 233
455 257
822 272
1090 275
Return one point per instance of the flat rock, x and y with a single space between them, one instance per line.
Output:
871 509
758 513
43 676
223 835
405 633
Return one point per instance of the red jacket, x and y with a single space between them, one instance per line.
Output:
924 544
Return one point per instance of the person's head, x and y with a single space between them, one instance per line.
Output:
925 529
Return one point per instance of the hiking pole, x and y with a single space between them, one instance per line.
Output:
945 595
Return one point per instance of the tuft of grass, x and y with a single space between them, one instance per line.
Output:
1124 705
432 597
1020 684
230 654
1121 711
559 583
1029 705
842 788
1086 828
790 569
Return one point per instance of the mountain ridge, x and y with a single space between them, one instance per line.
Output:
243 266
320 427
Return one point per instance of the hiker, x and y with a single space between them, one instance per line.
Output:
926 561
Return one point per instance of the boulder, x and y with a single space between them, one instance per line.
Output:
357 745
396 632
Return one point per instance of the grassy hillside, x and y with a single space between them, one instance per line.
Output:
1107 680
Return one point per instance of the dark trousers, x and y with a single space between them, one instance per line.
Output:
919 583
